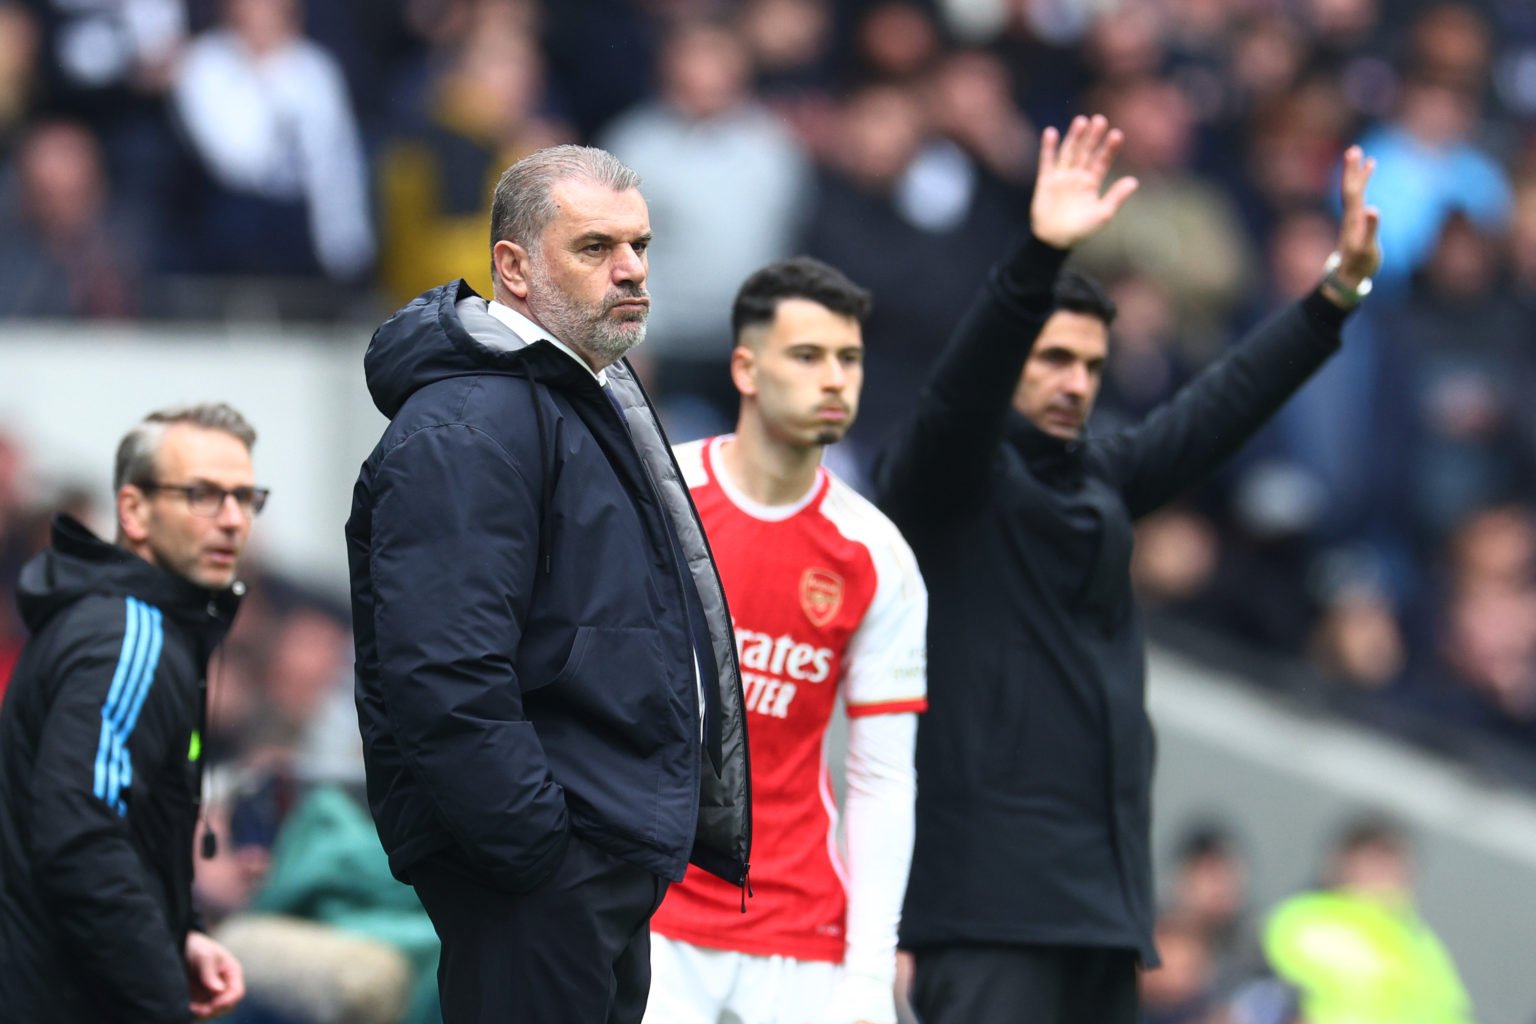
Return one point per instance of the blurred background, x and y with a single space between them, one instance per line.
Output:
219 199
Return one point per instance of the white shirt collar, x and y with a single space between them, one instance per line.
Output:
531 332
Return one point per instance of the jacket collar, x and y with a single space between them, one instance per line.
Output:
81 563
1047 455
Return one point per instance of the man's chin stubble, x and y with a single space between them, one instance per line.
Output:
614 343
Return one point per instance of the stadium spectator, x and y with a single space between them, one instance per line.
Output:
1475 681
484 109
1357 950
1433 163
1467 345
64 250
268 116
1210 889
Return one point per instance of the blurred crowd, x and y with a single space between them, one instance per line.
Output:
213 159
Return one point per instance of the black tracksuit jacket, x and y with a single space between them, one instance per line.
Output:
1035 758
99 780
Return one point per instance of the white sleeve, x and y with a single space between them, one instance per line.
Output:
884 685
878 828
887 656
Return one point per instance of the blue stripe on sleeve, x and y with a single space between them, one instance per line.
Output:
120 713
151 662
125 661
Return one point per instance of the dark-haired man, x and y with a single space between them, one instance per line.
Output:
99 739
1031 891
827 602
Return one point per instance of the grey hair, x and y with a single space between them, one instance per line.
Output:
137 450
522 206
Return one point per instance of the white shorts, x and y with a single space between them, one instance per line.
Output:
694 985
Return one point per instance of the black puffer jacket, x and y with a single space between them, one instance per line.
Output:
522 614
99 785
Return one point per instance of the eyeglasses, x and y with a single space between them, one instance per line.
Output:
205 499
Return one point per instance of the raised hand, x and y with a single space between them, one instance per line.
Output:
1068 205
1359 250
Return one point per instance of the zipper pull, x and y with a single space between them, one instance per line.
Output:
746 887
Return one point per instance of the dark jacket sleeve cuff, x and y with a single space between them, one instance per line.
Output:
1323 314
1029 275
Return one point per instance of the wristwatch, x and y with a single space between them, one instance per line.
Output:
1332 280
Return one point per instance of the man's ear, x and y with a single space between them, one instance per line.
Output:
133 513
744 370
513 268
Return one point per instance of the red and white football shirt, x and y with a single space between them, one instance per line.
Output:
825 596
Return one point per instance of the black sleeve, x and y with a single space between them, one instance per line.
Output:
1216 413
942 458
107 729
454 545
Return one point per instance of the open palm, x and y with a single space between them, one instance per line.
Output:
1070 204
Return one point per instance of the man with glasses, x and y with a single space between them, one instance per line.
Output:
100 736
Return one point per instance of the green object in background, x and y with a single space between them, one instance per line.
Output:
1358 960
328 866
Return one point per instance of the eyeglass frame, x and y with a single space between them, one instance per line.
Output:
254 501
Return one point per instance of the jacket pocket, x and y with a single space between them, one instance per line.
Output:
567 671
617 682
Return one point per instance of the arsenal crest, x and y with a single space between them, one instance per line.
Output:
821 595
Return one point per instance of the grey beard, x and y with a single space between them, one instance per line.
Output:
609 341
588 330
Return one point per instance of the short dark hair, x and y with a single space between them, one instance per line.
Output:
1371 830
1205 839
1076 292
803 277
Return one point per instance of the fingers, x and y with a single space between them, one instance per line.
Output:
1105 154
1050 139
1119 192
1093 140
1067 154
1084 143
1357 172
1370 223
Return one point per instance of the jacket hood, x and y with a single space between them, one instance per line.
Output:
80 563
449 332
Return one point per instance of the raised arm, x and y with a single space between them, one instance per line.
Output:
942 458
1216 413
